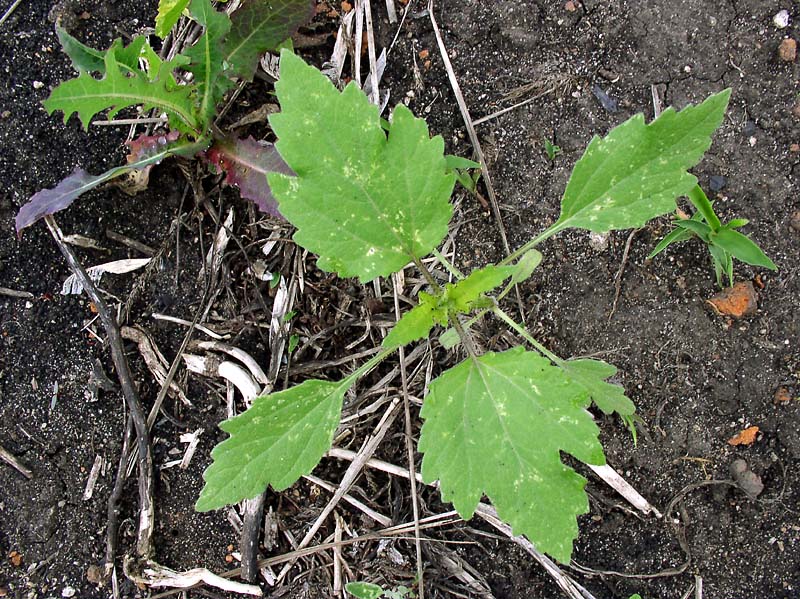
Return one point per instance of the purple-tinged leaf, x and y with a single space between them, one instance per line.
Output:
50 201
246 163
139 150
148 151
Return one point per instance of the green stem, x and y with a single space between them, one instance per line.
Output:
698 197
447 264
556 227
527 336
427 275
369 365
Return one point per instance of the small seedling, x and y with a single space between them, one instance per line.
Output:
724 242
551 149
368 202
186 89
367 590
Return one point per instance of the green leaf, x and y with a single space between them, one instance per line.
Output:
364 590
591 375
84 58
206 57
460 297
169 11
677 235
496 425
116 90
723 263
741 247
453 162
260 26
736 223
449 339
701 229
635 173
551 149
524 268
455 298
417 322
280 438
704 207
366 204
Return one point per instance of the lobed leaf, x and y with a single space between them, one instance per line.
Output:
87 96
496 425
591 375
365 203
455 298
205 58
260 26
635 173
280 438
83 57
246 163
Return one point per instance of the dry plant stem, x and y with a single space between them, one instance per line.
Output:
410 451
251 527
146 509
364 454
435 521
564 582
112 507
12 461
620 271
373 65
379 518
486 512
10 10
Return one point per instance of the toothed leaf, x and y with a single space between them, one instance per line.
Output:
635 173
591 375
496 425
246 164
205 57
261 26
116 90
417 322
367 204
456 298
279 439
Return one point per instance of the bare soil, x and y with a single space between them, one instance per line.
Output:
697 378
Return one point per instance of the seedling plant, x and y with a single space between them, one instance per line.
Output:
723 241
369 199
368 204
187 89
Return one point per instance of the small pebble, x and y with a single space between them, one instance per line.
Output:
794 148
794 221
68 592
38 85
787 51
570 6
781 19
717 182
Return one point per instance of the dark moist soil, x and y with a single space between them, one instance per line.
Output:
697 378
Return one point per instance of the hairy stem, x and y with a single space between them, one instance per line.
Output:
447 264
527 336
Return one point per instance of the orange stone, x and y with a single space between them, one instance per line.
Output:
745 437
737 301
